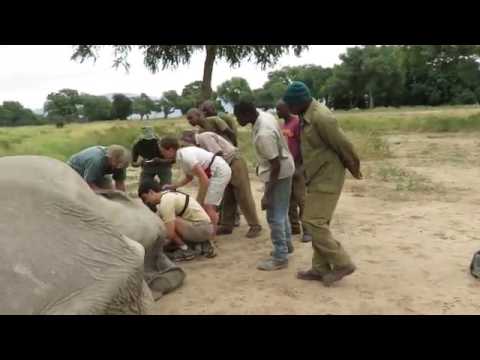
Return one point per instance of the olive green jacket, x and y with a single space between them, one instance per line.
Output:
230 120
326 151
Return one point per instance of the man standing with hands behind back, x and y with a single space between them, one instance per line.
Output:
326 153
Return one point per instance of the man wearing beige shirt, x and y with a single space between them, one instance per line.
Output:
275 168
186 221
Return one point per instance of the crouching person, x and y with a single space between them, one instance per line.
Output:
212 172
188 225
98 164
238 192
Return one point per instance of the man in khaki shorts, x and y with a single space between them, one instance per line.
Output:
239 191
186 221
212 172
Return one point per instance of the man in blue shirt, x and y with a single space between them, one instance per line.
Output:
95 165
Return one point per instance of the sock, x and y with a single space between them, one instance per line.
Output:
184 247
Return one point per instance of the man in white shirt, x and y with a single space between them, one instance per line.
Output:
212 172
275 168
238 191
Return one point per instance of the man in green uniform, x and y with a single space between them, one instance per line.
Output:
326 153
212 123
152 162
209 110
96 163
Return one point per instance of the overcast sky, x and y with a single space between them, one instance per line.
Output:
28 73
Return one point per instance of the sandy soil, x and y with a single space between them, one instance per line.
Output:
412 248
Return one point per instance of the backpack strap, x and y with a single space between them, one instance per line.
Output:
187 201
213 159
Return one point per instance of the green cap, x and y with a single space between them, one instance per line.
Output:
297 93
148 133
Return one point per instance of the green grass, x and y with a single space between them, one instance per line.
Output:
364 127
62 143
405 180
447 120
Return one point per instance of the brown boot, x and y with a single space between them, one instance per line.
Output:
309 275
224 230
254 231
338 274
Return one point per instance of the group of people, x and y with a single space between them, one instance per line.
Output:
301 162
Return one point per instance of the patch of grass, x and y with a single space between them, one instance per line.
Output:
438 121
62 143
405 180
370 145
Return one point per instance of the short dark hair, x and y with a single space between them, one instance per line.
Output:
245 107
147 185
169 142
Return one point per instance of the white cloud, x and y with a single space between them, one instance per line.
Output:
28 73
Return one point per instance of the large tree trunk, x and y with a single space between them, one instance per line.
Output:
207 71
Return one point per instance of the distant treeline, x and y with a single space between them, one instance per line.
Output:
368 76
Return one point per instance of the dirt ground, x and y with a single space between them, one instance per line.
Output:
411 227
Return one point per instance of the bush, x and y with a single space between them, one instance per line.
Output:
467 97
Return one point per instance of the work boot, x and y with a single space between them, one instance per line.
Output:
224 230
309 275
181 255
254 231
272 264
338 274
208 250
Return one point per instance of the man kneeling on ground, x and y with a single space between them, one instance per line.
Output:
186 221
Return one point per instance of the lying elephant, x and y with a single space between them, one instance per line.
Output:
67 250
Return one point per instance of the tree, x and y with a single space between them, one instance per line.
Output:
440 74
232 90
168 56
142 105
12 113
168 102
191 97
62 105
263 99
95 107
121 107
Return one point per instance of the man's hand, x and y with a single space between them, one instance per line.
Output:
266 199
264 202
358 175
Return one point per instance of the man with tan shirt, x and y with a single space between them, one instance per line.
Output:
238 191
186 221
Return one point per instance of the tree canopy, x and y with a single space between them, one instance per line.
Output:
170 56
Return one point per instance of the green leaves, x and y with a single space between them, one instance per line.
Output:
231 91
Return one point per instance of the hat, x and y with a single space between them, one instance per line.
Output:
297 93
148 133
